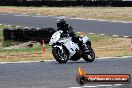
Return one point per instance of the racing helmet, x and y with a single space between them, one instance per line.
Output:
61 22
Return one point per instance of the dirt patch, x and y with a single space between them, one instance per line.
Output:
32 56
108 13
113 47
29 44
7 10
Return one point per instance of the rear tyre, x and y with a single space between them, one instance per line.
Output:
89 57
60 55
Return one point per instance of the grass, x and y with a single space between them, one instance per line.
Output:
112 47
1 35
25 54
108 13
102 45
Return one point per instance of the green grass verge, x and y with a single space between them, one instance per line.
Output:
33 49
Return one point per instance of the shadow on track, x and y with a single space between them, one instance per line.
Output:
75 62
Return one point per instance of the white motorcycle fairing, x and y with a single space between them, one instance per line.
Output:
67 42
64 49
55 37
71 46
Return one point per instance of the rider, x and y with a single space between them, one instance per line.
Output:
68 30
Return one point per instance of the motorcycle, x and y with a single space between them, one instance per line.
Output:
64 49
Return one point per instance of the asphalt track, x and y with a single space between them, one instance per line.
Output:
55 75
85 25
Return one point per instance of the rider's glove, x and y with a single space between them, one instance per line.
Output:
80 39
63 35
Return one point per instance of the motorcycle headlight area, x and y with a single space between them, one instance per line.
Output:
53 40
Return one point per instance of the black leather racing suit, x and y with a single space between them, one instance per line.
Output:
68 30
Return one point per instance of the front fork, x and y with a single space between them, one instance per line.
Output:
86 47
60 47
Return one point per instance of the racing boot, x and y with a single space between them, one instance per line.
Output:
85 48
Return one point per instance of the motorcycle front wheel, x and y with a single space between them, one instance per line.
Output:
89 57
60 55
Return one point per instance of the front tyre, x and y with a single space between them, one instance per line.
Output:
60 55
89 57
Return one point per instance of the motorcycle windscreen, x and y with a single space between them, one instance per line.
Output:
55 37
85 39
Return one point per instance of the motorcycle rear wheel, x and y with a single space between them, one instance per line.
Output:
60 57
89 57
